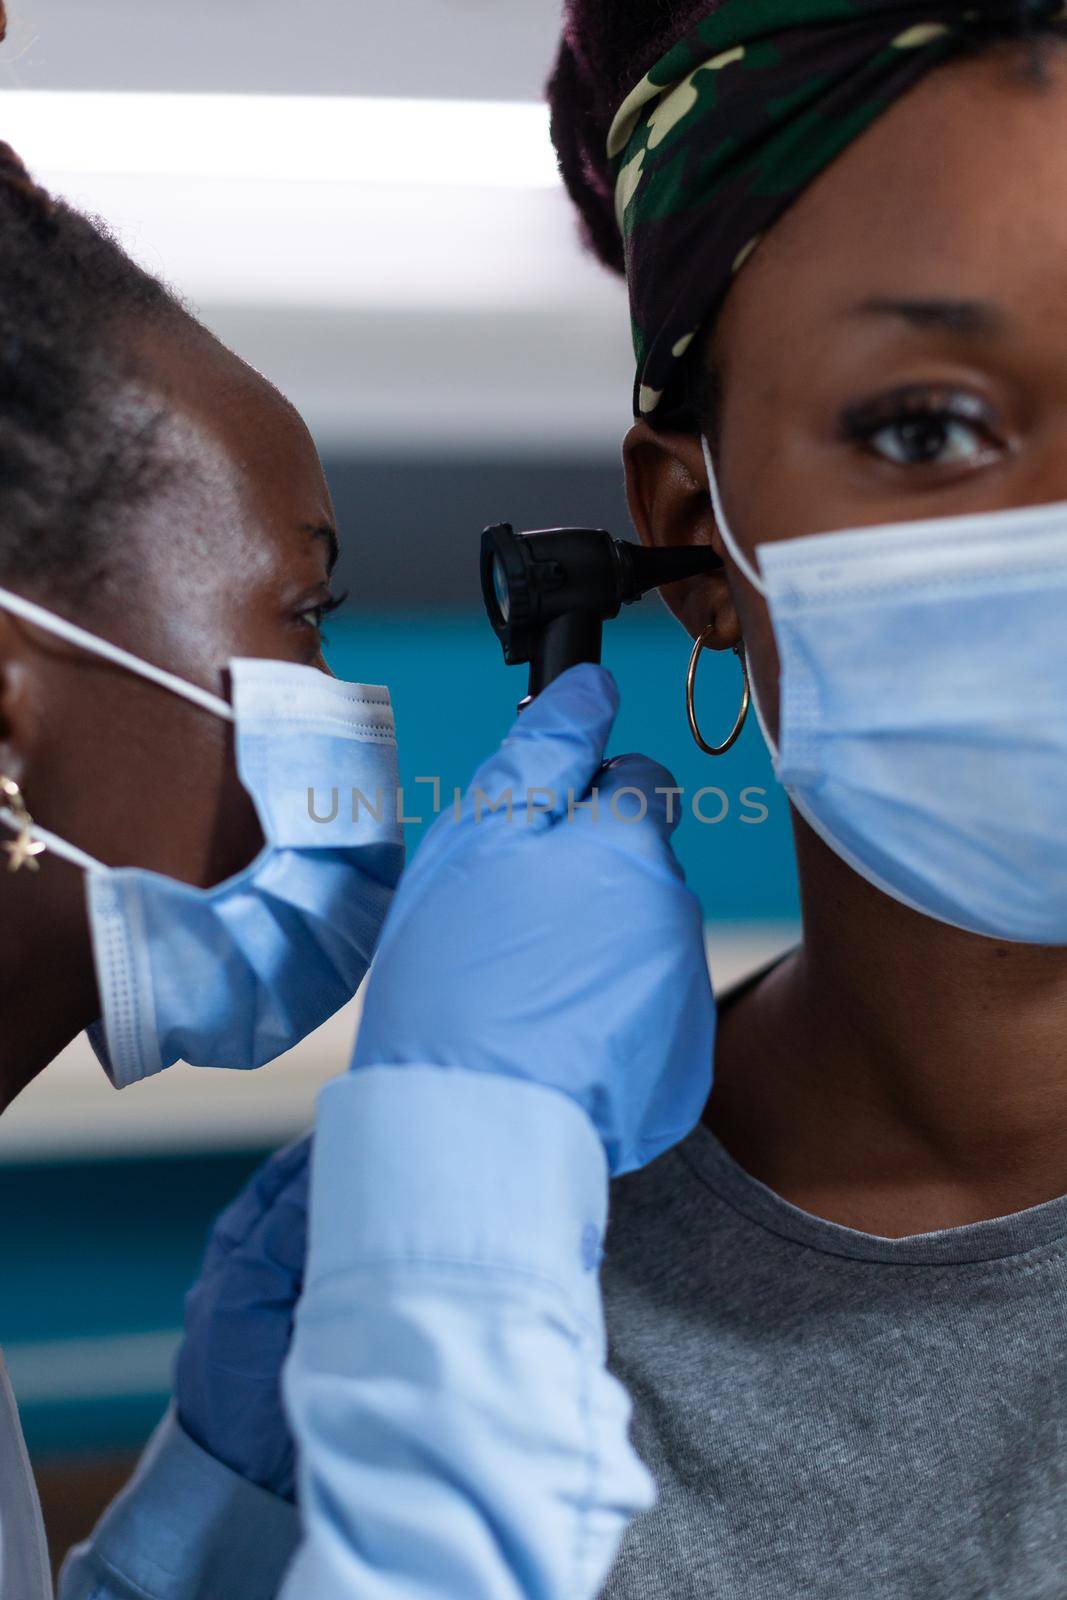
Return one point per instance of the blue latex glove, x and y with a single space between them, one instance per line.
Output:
558 946
238 1326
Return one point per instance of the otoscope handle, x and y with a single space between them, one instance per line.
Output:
575 636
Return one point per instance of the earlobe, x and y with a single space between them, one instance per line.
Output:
666 485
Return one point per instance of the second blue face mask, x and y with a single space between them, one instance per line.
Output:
234 975
923 708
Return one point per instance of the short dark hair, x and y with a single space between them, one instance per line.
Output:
73 464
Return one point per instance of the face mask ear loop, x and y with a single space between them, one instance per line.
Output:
18 606
745 566
55 845
740 560
69 631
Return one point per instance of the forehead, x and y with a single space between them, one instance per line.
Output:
958 189
241 482
248 443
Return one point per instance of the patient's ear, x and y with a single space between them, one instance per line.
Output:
667 487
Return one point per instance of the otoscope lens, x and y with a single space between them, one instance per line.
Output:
501 593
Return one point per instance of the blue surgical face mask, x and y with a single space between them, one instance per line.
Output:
234 975
923 708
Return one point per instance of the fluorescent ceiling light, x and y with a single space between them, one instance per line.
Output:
408 270
283 138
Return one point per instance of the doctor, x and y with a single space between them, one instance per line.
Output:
166 547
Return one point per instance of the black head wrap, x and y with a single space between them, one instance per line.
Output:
736 120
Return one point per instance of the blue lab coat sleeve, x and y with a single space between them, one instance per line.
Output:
184 1528
459 1434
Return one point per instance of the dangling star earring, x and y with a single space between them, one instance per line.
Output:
23 850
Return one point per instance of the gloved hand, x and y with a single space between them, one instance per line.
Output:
238 1326
560 944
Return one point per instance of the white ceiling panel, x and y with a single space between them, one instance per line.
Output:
467 49
361 199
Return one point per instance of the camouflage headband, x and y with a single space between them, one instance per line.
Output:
729 128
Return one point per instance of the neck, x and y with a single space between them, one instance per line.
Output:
47 984
895 1074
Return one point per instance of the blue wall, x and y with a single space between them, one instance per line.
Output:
103 1249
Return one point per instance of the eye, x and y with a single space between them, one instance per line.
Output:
920 440
314 615
925 428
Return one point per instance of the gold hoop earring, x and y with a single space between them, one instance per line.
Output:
690 708
24 849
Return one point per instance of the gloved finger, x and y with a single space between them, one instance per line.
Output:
634 808
556 746
632 789
233 1226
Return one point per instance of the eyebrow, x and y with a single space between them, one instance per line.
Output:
328 533
972 319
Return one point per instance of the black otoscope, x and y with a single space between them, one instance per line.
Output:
549 593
